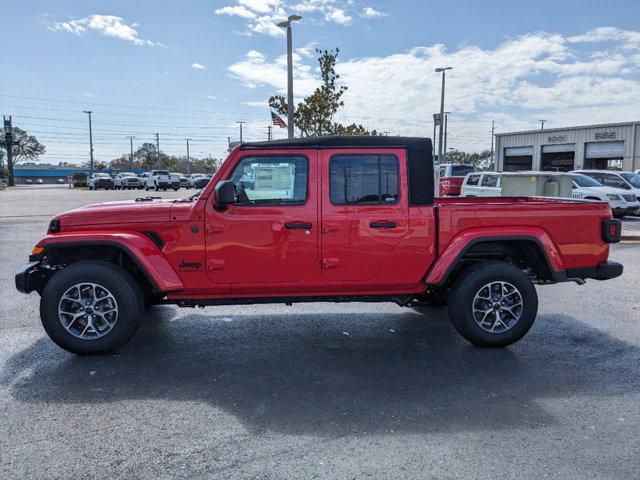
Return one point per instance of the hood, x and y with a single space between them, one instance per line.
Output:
120 212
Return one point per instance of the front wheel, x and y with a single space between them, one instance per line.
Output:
91 307
493 304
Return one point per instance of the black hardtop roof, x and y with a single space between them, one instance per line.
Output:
419 156
344 141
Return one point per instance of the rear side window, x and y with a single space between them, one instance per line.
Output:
461 170
473 179
363 179
490 181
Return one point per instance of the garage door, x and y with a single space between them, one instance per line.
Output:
518 151
604 149
517 159
558 157
564 147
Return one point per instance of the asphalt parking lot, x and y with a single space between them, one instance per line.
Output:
318 391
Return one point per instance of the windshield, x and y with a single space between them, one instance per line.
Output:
584 181
129 175
461 170
102 175
632 178
161 172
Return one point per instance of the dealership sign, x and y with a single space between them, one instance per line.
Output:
557 138
605 135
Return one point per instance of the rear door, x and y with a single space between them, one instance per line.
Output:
364 211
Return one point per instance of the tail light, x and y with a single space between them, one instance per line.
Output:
611 230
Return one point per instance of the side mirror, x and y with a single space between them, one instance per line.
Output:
225 193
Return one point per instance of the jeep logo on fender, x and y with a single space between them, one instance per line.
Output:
189 265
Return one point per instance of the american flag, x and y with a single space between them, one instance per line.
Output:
275 118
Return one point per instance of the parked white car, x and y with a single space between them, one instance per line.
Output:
158 179
628 181
126 180
174 177
100 180
622 203
481 184
182 179
198 180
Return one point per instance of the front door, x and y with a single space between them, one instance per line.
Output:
364 211
271 234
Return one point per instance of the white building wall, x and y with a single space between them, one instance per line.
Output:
629 133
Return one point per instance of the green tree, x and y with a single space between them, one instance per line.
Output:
25 147
314 116
147 155
480 160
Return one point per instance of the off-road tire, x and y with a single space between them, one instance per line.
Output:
117 281
463 294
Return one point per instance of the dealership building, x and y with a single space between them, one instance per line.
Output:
605 146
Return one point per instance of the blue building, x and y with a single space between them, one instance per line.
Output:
49 173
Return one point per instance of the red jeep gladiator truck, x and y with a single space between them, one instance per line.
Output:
326 219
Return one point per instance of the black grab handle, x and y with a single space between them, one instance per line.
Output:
297 226
383 225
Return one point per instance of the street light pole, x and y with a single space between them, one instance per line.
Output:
188 159
446 116
542 124
287 25
440 145
131 137
89 112
241 123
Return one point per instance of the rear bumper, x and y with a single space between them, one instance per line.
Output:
26 276
624 210
604 271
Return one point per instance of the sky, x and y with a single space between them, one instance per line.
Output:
192 69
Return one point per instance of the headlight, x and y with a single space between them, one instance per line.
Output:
615 198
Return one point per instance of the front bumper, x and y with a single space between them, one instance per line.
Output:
603 271
28 277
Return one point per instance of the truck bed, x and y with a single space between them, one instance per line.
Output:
572 228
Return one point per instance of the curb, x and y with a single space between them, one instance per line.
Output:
630 237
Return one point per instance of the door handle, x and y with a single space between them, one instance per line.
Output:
383 225
297 226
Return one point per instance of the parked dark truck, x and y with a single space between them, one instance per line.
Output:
327 219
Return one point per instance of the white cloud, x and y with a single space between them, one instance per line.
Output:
198 66
262 16
337 15
236 10
107 25
629 39
260 6
370 13
520 79
211 97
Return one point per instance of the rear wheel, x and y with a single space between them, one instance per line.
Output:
91 307
494 304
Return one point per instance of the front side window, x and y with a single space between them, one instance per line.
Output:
363 179
615 181
271 179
